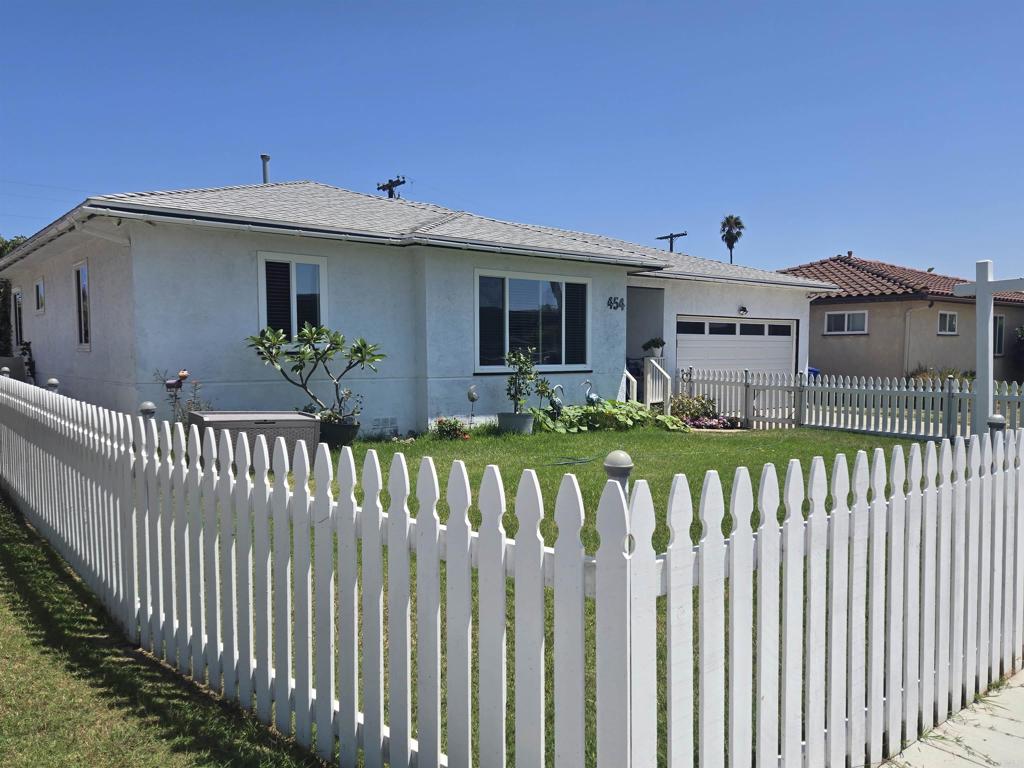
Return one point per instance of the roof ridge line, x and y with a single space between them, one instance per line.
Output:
147 193
865 265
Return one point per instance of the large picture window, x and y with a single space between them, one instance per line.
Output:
548 315
292 292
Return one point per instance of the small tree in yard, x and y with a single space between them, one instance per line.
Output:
318 348
521 381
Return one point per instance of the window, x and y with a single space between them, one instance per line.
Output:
40 297
82 302
998 334
19 330
547 314
751 329
722 329
691 327
844 323
947 323
292 292
780 330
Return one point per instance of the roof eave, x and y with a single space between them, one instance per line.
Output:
198 218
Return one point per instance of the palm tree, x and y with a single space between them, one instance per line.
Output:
732 231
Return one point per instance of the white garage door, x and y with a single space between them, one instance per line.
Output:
735 344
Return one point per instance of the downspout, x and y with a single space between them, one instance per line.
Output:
907 335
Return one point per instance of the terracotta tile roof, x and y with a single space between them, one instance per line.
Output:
857 277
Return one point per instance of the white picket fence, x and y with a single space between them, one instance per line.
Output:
866 624
929 408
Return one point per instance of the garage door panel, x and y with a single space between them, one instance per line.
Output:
735 352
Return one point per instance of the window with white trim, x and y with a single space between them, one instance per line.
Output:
19 328
292 291
839 323
947 324
40 297
548 314
998 334
82 303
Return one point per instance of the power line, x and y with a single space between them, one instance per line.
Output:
47 186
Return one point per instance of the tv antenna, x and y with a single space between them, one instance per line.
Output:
390 186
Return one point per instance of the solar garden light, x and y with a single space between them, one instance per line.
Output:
148 409
52 384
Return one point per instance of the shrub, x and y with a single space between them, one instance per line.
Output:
689 408
520 382
450 429
923 373
606 415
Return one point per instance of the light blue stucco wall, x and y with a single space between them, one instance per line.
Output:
196 299
103 373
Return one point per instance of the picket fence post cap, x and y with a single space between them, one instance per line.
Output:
618 465
5 371
147 408
52 384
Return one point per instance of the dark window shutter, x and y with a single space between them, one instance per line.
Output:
575 324
492 320
279 296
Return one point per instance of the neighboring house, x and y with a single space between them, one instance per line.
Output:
888 320
124 286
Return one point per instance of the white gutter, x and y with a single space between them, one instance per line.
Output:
677 274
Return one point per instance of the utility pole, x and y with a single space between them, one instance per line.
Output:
390 186
671 237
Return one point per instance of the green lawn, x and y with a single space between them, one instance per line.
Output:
73 693
657 455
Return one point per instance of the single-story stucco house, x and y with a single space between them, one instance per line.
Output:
888 320
124 286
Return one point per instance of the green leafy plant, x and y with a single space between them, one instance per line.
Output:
924 373
520 382
606 415
688 407
542 388
450 429
656 343
318 348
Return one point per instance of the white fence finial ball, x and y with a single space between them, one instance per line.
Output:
147 409
52 384
618 465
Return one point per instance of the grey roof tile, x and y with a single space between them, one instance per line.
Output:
313 205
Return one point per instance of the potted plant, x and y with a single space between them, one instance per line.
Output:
316 348
519 387
654 345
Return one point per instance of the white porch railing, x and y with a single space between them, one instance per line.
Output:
657 384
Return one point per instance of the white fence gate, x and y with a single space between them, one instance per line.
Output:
872 619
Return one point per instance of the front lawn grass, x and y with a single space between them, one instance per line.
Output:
657 456
73 693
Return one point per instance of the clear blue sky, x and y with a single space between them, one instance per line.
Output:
895 130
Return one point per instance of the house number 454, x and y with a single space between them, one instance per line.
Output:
616 302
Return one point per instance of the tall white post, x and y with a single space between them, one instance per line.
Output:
983 314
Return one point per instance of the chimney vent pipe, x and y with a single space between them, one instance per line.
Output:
266 168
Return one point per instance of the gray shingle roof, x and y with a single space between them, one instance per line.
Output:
316 206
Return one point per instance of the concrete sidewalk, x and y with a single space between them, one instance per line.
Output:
989 733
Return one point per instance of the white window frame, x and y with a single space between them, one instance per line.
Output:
996 351
956 324
40 283
17 321
846 323
78 317
477 368
262 257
